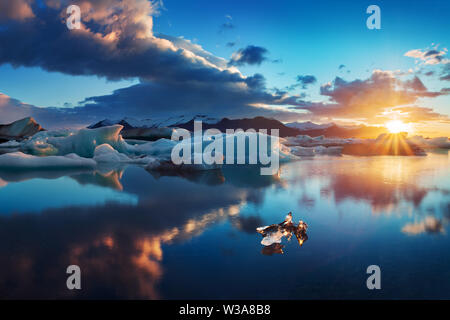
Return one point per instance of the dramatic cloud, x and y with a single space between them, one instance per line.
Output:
251 55
15 10
116 41
176 76
373 100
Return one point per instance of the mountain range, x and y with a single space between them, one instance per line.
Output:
257 123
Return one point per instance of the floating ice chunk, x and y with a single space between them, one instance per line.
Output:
82 142
274 233
273 237
10 144
162 148
19 160
105 153
303 151
336 151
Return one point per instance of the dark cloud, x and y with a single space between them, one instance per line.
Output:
117 42
415 84
252 55
306 80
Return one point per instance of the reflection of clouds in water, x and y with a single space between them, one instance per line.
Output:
119 247
383 182
428 225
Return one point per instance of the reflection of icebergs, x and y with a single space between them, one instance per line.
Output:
109 179
208 177
273 234
43 194
272 249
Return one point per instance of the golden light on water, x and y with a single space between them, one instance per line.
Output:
397 126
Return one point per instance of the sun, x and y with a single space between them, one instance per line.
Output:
397 126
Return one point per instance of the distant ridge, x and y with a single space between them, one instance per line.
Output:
257 123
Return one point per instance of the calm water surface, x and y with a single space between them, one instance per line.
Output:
137 234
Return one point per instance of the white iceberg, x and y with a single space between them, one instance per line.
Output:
303 151
19 160
105 154
82 142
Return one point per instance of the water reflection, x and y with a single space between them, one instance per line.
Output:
176 235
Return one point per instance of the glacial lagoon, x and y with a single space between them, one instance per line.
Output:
166 235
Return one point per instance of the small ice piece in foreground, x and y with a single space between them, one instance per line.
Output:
274 233
272 237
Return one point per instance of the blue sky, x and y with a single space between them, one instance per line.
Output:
305 37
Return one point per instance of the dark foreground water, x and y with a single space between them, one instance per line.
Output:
143 235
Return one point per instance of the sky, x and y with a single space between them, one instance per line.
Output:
291 60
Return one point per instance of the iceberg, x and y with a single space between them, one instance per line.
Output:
303 151
19 160
82 142
332 151
10 144
105 144
273 234
105 154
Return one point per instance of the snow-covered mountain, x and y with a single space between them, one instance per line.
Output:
129 123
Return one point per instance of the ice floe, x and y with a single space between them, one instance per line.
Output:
273 234
106 145
10 144
19 160
105 153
